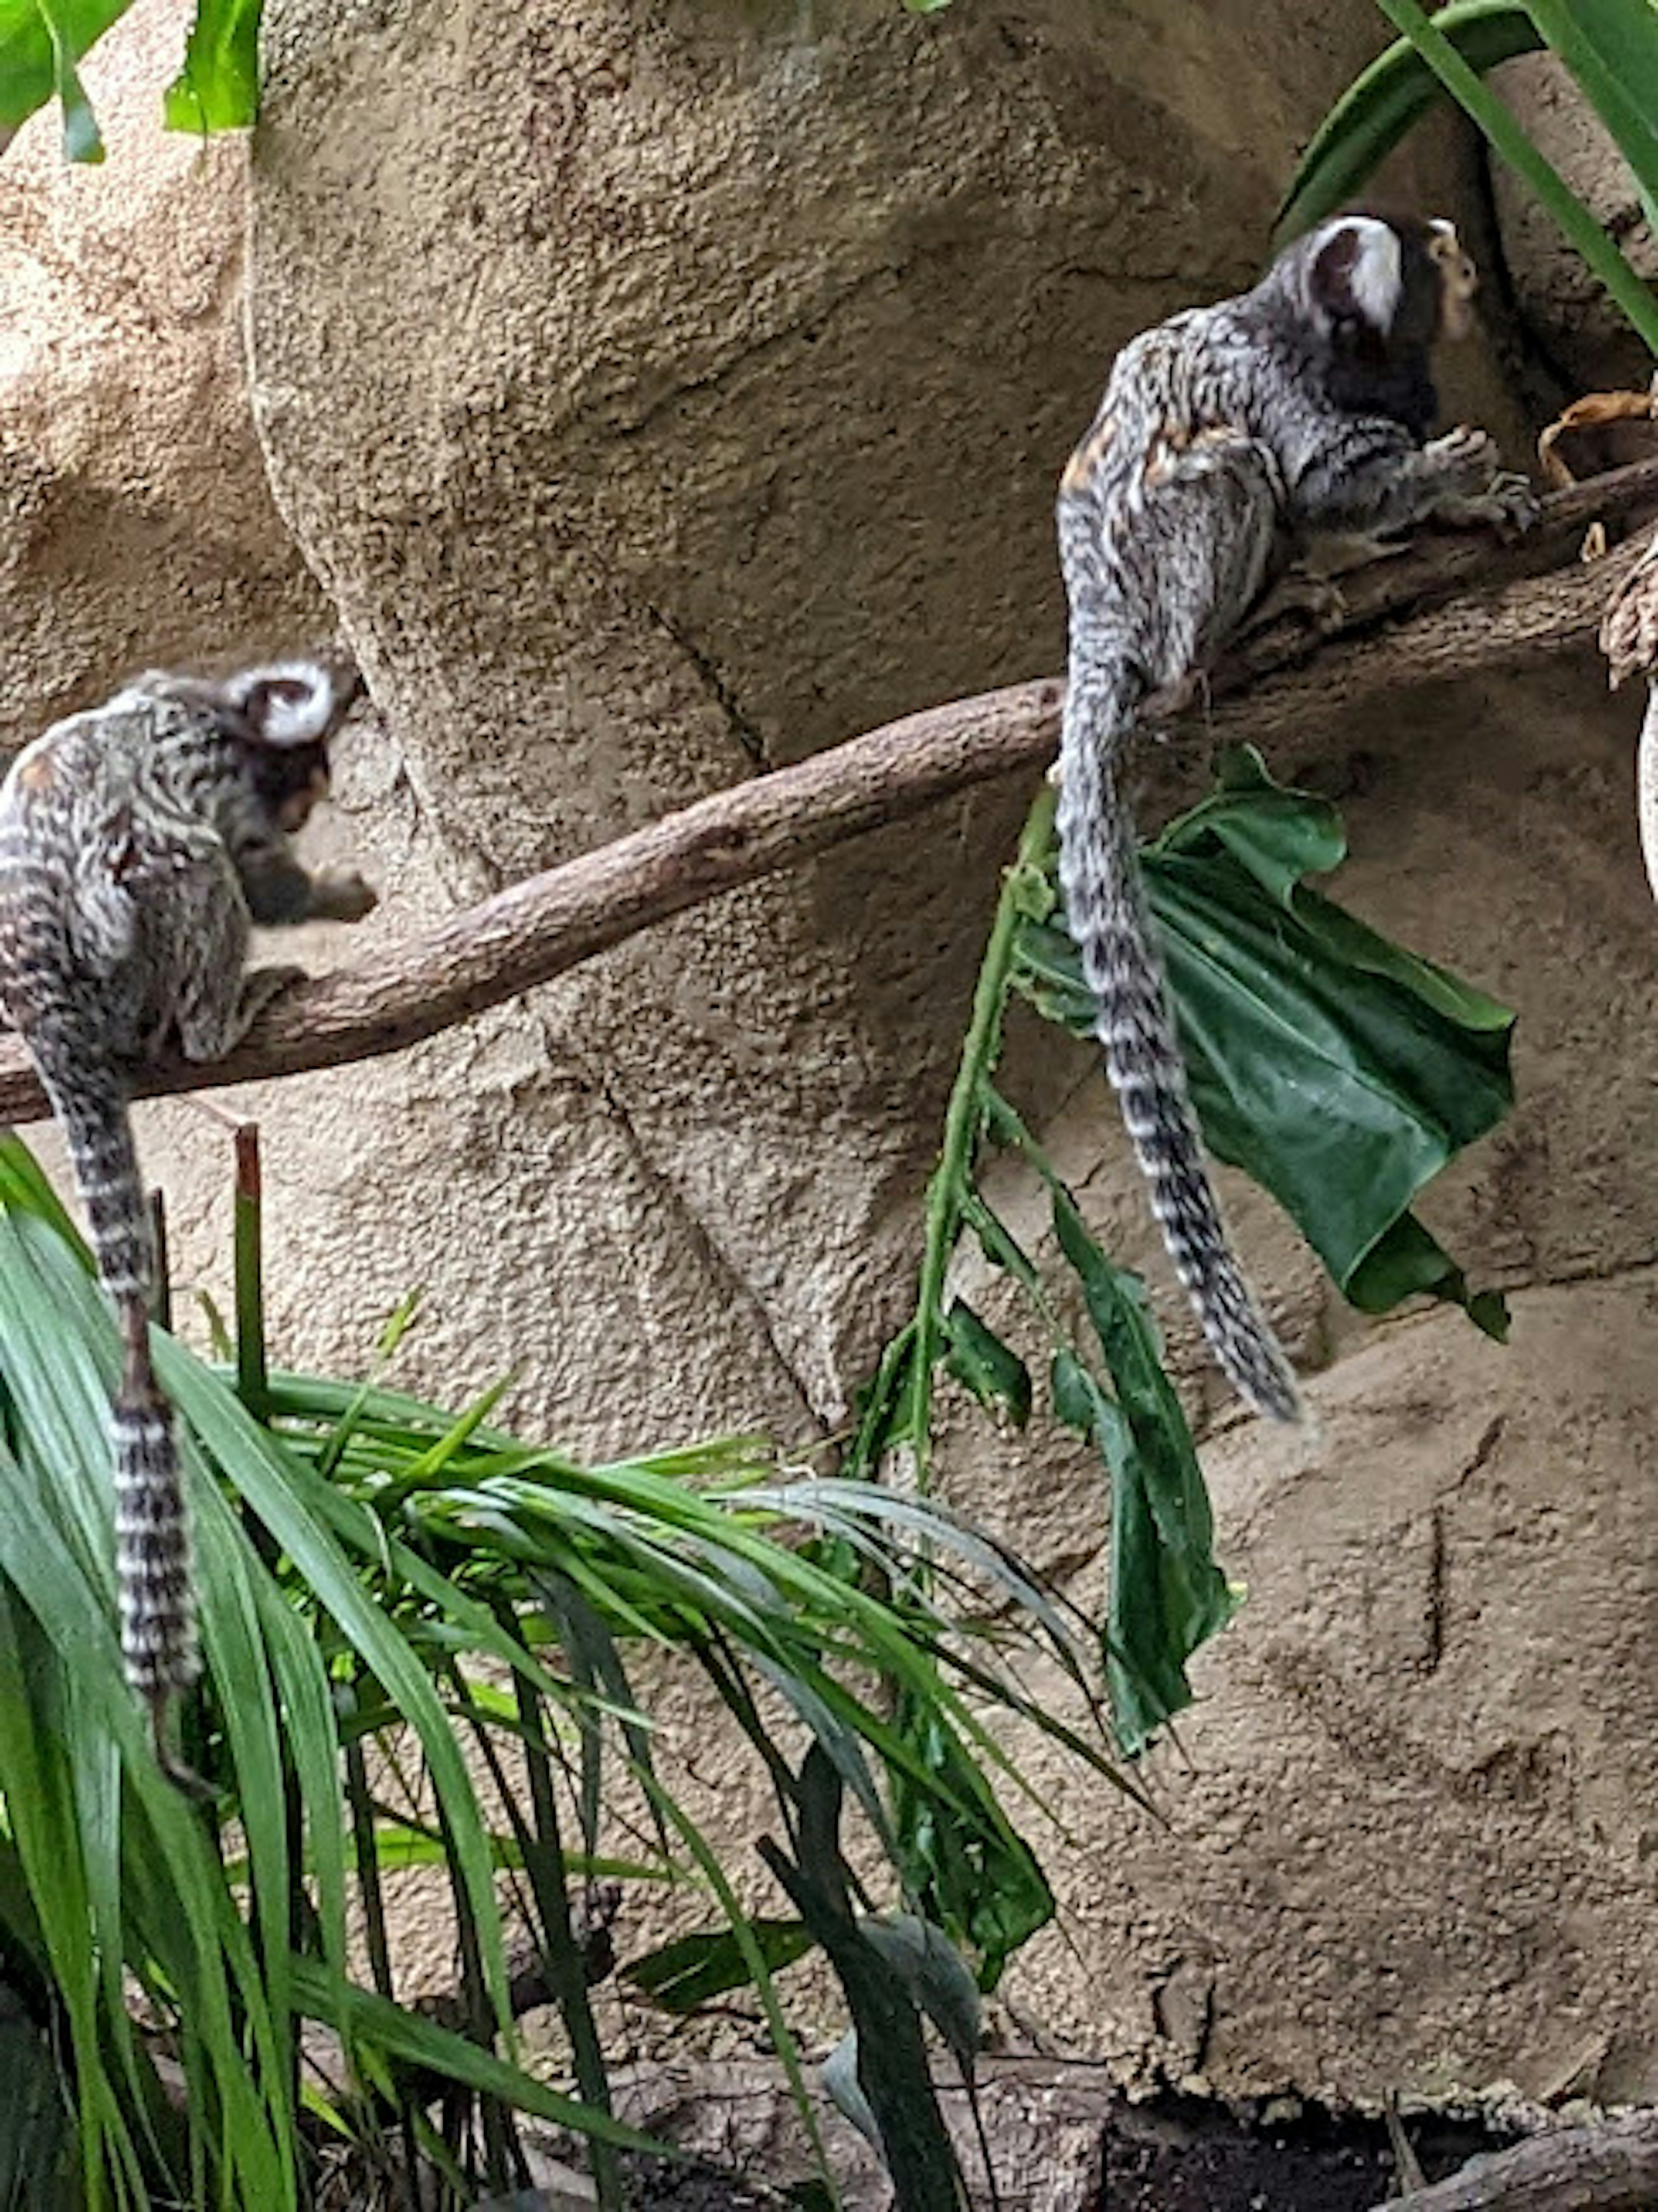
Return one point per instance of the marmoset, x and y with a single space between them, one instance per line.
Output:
139 841
1227 438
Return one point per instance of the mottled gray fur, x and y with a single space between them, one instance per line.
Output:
1228 437
138 842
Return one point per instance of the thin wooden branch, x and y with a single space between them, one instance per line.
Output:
1474 605
1611 2166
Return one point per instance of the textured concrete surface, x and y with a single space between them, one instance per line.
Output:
659 393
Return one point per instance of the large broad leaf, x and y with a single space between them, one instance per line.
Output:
1386 100
1337 1069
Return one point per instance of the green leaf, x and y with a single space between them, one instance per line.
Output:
1167 1595
686 1973
218 87
979 1879
1384 101
935 1974
892 2070
40 43
979 1359
1339 1071
1406 1263
42 40
370 2019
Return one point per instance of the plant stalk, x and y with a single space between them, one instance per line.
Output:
963 1121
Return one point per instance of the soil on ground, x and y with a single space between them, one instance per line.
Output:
1179 2154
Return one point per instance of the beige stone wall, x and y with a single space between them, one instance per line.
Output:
662 392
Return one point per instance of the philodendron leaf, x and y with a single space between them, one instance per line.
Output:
1167 1593
1337 1069
1381 105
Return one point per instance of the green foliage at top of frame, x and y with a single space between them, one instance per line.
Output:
1386 100
42 42
1610 48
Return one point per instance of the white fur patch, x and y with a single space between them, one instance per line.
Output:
1375 278
295 701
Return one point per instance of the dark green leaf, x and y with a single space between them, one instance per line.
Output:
892 2070
1382 104
975 1876
978 1359
810 2197
886 1410
1408 1262
996 1240
1167 1595
1337 1069
35 2132
686 1973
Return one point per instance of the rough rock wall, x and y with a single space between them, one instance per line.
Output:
135 524
663 392
659 392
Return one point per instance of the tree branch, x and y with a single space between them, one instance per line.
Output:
1611 2166
1472 605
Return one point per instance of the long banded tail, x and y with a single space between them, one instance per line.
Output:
1106 906
152 1537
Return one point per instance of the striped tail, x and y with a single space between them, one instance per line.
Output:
152 1536
1106 907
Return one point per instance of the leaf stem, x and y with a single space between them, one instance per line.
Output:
253 1380
965 1119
